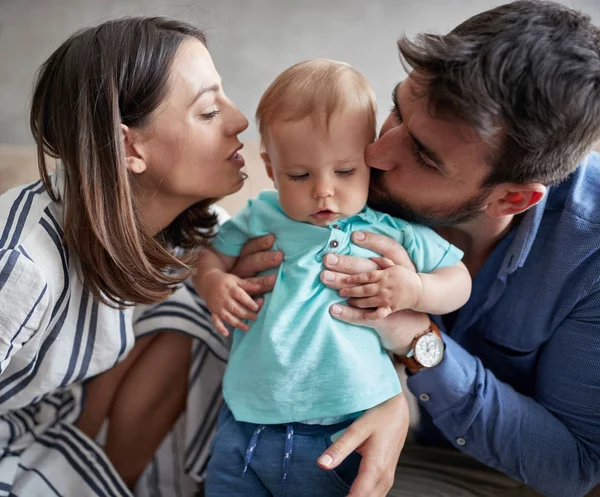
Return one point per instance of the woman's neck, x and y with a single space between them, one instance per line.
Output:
157 212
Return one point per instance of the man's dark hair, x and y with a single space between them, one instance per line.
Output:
530 69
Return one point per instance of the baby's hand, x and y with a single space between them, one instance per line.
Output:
392 289
229 302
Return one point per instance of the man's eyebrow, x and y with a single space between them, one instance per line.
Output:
205 89
421 147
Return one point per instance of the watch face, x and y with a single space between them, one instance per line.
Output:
429 350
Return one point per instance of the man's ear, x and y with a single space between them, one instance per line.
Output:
265 157
514 198
134 160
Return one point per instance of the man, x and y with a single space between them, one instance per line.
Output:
481 143
487 142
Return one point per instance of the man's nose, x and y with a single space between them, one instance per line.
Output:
377 156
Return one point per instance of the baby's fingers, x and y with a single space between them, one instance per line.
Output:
239 311
229 318
364 278
365 303
243 298
219 325
360 291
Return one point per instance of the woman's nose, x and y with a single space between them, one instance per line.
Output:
236 122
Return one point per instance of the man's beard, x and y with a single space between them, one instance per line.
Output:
382 200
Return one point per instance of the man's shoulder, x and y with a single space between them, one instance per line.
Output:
579 195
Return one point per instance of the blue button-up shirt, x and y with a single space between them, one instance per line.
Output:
519 387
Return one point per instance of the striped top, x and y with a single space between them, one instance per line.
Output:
52 332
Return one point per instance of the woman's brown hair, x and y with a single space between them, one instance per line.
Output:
116 73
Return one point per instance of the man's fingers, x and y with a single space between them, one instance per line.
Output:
265 284
379 313
337 281
259 244
348 314
361 291
249 287
348 264
252 264
383 262
387 247
352 438
367 481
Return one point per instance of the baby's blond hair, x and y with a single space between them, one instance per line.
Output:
316 88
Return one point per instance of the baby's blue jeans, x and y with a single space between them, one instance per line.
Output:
266 472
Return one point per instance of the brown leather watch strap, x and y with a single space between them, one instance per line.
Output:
410 362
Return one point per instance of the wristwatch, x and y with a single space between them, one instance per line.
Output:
426 350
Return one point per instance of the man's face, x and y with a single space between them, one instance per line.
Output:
426 169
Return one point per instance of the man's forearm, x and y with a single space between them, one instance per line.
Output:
502 428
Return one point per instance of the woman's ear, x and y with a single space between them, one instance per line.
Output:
513 198
134 160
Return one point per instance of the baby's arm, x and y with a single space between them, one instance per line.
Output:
225 294
395 288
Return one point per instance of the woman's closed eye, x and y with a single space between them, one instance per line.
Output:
209 116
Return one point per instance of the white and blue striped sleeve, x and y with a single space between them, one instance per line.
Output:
23 302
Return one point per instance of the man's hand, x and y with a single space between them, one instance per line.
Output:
229 302
390 289
396 330
378 436
257 256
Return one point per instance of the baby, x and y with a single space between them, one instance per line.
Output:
296 376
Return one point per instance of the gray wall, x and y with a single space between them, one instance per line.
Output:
251 40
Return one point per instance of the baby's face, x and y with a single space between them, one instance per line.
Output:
321 176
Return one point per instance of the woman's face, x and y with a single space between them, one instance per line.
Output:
190 144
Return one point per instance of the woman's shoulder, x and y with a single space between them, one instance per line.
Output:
22 210
31 234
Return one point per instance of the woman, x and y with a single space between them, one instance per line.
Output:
96 256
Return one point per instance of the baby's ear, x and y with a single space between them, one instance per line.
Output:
265 157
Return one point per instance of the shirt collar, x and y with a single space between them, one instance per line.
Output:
367 214
519 249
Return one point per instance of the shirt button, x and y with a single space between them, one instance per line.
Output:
336 226
334 244
424 397
461 441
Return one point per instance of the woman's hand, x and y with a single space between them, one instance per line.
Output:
378 436
257 256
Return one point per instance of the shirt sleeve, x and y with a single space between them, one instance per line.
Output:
550 440
23 302
428 250
233 233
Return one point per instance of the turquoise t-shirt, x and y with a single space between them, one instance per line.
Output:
297 362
